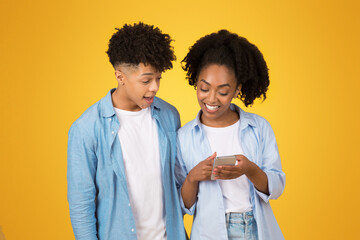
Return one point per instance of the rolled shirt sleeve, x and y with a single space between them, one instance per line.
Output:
81 183
271 164
180 176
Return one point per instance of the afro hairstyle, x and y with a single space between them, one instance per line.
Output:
141 43
234 52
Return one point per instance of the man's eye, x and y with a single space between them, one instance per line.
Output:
146 82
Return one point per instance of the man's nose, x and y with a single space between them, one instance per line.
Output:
154 87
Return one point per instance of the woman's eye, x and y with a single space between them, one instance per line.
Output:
223 94
204 90
146 82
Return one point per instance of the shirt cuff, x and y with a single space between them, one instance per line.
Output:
275 186
185 210
262 195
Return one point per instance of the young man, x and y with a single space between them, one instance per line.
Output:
121 151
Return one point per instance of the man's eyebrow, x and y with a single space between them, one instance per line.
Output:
147 73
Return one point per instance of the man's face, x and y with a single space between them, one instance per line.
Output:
139 86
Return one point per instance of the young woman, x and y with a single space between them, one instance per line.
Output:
222 66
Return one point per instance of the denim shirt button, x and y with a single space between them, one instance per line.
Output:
132 230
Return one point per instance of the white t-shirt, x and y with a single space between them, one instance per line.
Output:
138 136
226 141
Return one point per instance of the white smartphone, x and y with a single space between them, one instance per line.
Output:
223 160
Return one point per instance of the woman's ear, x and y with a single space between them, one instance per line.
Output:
238 90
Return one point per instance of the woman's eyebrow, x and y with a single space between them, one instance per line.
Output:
202 80
220 86
224 85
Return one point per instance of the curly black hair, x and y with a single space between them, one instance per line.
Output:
236 53
141 43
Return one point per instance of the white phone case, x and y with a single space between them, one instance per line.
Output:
223 160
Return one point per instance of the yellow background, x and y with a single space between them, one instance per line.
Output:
53 67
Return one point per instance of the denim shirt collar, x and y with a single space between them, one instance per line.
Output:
245 119
107 107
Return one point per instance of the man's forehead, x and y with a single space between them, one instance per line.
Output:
147 68
132 66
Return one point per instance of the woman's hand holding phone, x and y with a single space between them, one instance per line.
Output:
202 171
230 172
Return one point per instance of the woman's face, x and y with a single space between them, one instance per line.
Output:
216 87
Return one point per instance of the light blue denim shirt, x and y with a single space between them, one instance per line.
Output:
259 145
97 190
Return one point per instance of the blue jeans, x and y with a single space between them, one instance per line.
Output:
241 226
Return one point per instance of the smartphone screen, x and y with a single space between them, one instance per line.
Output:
223 160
